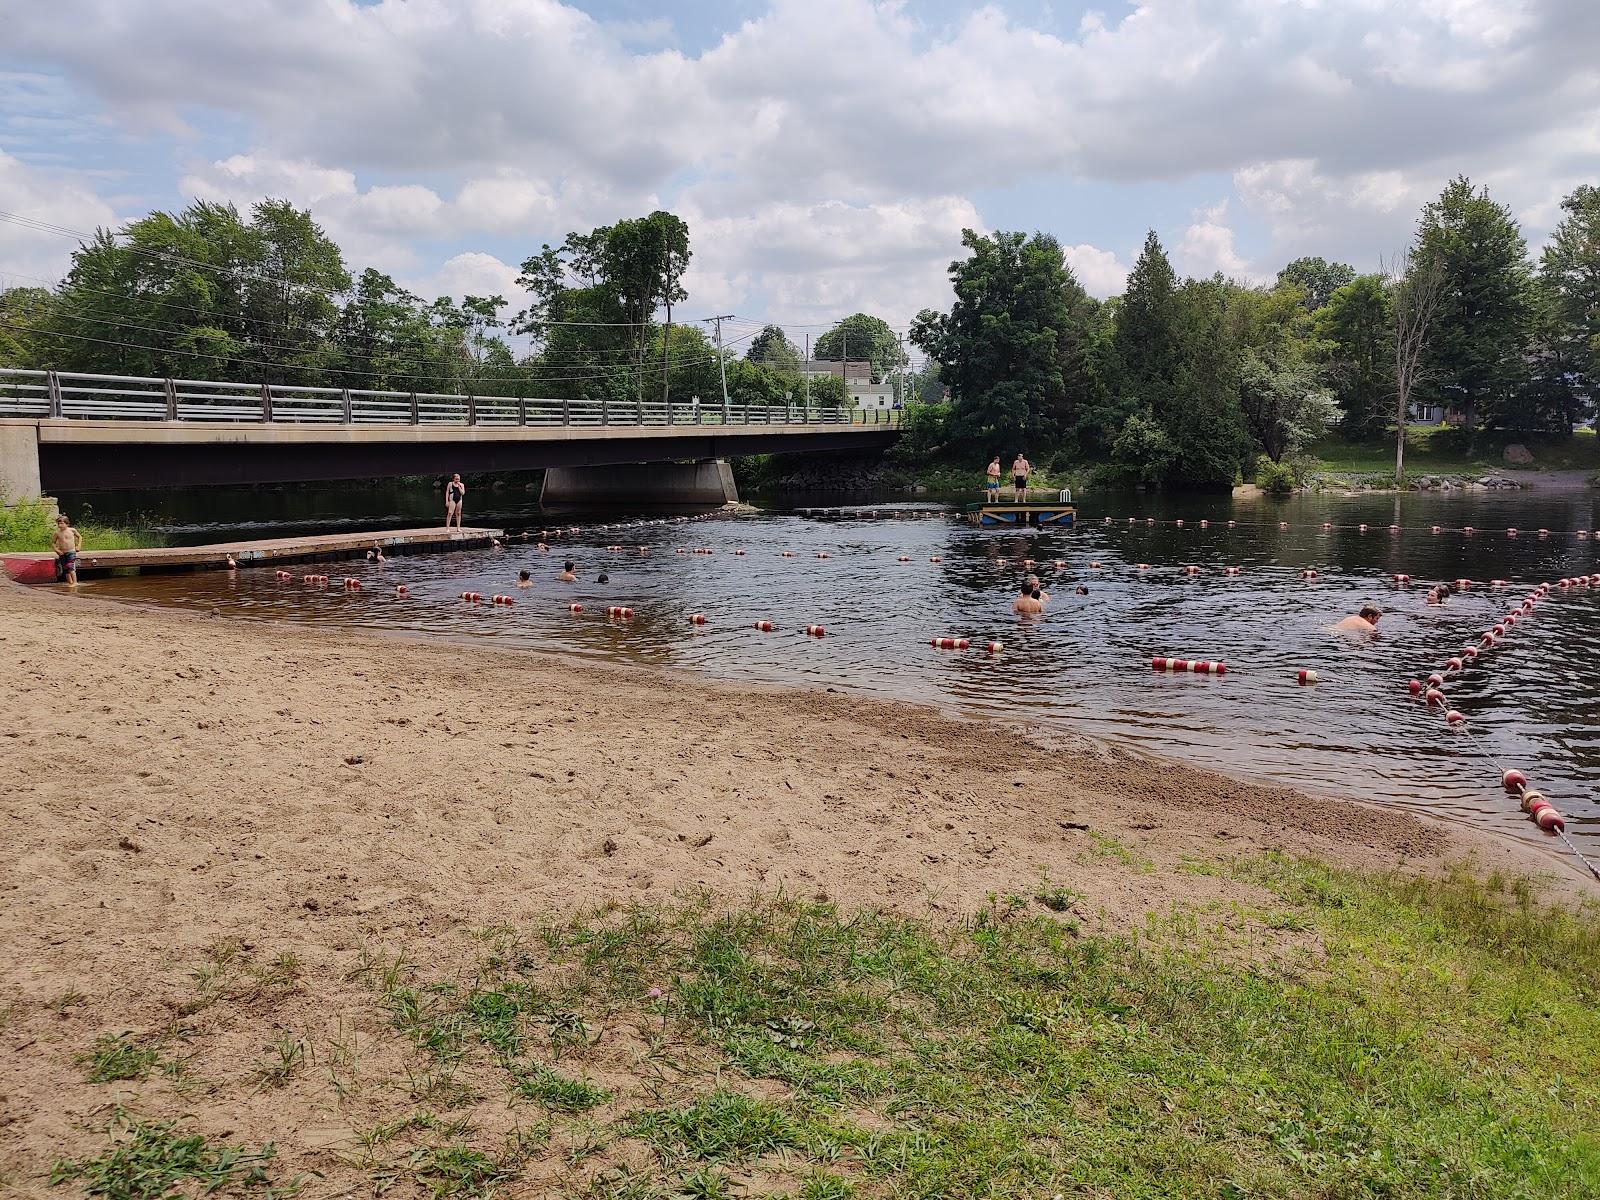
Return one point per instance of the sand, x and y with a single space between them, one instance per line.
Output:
172 779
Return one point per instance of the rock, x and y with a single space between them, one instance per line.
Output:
1517 455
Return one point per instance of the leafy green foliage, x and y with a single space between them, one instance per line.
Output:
861 336
1356 344
29 526
117 1056
1317 280
773 349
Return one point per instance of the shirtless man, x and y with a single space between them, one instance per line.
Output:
1032 584
66 543
993 485
1021 468
1364 622
524 579
454 493
568 575
1028 601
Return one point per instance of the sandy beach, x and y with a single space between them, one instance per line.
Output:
174 780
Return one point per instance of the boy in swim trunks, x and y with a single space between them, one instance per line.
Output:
524 579
993 484
66 543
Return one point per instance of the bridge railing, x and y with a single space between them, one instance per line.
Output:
74 395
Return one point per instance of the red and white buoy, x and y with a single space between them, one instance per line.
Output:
401 590
577 608
1230 570
822 554
1436 528
738 553
1191 570
1454 664
1305 677
764 626
815 631
904 558
994 647
1231 524
1513 781
949 643
697 618
1401 579
1435 698
933 558
1362 527
1454 718
617 610
1308 573
1414 687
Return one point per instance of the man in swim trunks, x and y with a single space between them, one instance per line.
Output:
1021 468
1364 622
454 493
1028 601
568 575
66 543
993 484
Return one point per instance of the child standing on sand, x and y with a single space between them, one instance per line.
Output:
66 543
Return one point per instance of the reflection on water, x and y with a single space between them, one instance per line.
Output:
1535 701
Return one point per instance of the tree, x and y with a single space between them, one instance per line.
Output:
1011 349
1201 415
771 347
862 337
24 319
1145 338
1355 334
1317 278
1569 278
1284 406
1475 351
1414 286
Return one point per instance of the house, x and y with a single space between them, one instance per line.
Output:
871 395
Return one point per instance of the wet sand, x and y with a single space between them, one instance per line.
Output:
172 780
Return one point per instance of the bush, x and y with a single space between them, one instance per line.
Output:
1275 478
31 524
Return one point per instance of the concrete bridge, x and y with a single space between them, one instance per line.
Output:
75 432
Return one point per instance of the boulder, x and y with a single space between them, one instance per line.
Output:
1517 455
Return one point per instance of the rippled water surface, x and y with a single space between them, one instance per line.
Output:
1533 702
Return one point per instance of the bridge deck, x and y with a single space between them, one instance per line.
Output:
40 568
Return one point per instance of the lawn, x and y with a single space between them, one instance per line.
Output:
1581 452
1349 1035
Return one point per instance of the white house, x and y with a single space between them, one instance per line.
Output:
871 395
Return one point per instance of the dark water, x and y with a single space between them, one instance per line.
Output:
1532 702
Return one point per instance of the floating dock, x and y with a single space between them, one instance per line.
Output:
40 568
867 514
1054 514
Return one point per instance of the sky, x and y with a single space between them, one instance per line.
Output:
826 154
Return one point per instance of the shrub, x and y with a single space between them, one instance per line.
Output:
1274 478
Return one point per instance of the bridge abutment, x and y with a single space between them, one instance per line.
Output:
19 461
709 482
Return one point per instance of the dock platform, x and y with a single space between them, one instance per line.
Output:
40 568
1052 514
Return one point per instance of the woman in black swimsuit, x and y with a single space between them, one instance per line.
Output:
454 492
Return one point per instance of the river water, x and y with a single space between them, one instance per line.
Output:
1532 702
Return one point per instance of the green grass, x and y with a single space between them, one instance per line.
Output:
117 1056
1581 452
1344 1035
151 1160
30 526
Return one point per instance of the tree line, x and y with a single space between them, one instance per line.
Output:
1187 381
208 293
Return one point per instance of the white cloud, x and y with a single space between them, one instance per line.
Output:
472 274
54 197
1207 246
1101 272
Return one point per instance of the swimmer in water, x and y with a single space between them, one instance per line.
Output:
1039 593
1081 591
524 579
567 575
1365 622
1028 601
604 578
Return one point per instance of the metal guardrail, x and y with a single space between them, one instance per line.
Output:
75 395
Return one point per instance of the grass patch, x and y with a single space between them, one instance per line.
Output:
557 1091
151 1160
1434 451
117 1056
30 525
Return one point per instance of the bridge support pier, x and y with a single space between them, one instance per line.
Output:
19 461
689 483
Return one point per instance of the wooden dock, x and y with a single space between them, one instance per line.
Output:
1057 514
40 568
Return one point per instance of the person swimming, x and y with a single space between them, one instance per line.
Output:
1080 590
1029 601
1038 590
567 574
603 578
524 579
1364 622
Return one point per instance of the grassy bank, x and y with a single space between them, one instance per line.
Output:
1436 451
30 526
1348 1035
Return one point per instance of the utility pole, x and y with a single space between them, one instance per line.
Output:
722 363
806 371
666 343
900 354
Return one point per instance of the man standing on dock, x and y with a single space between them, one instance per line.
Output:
992 487
1020 470
454 493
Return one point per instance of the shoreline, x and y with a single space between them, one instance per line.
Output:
178 781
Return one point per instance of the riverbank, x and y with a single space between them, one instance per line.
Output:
317 889
29 527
